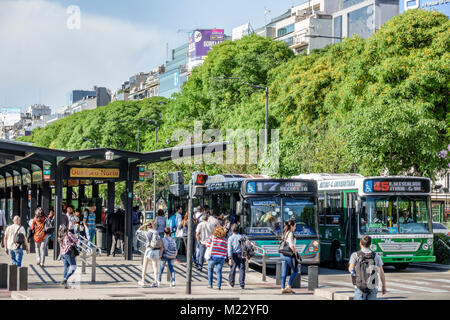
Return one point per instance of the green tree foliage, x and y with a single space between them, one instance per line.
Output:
369 106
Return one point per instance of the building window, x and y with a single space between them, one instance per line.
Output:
361 22
289 41
288 29
343 4
337 29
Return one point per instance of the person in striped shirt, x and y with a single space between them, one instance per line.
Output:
218 247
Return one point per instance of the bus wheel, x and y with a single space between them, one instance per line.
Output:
401 266
336 257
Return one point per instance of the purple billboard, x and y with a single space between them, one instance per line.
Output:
200 43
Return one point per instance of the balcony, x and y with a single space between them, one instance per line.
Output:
300 40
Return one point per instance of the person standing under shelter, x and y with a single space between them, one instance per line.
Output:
3 225
176 227
40 237
161 222
218 251
89 222
15 238
365 267
136 225
203 232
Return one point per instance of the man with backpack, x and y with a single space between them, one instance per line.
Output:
239 250
15 238
365 266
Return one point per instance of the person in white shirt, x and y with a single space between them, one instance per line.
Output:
11 247
202 234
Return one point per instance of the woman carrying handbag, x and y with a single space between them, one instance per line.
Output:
68 245
288 256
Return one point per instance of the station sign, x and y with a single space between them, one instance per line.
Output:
47 171
92 173
397 185
278 186
144 174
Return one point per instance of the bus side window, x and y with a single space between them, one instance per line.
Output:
321 209
335 211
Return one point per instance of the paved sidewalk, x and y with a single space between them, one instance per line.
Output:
117 278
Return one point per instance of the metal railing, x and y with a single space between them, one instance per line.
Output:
263 264
88 249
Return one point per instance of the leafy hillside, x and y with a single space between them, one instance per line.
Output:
367 106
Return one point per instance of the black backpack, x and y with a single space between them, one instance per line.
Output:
366 272
248 251
19 238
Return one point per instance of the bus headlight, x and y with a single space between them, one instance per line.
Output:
425 246
314 246
430 242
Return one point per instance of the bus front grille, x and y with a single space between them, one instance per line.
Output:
273 249
399 246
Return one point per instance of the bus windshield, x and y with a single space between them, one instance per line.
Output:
302 212
394 215
265 216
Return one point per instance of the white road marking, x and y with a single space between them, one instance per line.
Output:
439 280
346 284
407 286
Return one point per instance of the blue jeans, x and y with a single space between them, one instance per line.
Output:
237 261
287 263
218 263
162 264
91 235
70 265
201 254
359 295
16 257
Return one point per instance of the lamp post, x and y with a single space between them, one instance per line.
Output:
92 140
255 86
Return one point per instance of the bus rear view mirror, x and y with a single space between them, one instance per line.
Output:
239 208
358 205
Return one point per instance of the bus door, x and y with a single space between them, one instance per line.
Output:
351 232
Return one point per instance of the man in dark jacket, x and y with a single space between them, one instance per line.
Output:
116 225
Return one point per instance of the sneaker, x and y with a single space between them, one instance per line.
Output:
229 284
218 288
172 284
289 289
141 283
209 287
155 285
284 291
66 285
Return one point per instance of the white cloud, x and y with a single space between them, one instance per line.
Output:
40 55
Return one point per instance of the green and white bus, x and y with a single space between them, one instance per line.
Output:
261 205
395 211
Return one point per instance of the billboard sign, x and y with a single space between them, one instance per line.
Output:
435 5
200 43
10 115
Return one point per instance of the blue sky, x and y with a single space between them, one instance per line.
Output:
41 60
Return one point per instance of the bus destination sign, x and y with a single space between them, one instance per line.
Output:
396 185
255 187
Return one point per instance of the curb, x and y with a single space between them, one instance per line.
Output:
334 293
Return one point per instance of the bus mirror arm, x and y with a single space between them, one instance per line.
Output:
357 206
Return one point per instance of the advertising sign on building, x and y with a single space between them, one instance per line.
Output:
10 116
435 5
200 43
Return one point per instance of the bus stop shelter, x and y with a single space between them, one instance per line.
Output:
27 174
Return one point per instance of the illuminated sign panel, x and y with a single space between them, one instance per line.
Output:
276 187
396 185
94 173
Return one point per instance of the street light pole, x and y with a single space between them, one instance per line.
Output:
154 171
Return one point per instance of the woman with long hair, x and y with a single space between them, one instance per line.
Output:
152 253
289 262
66 240
218 247
40 237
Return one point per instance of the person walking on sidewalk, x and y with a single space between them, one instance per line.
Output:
202 234
68 244
15 238
169 253
3 225
235 257
365 266
40 237
152 253
289 262
218 252
161 222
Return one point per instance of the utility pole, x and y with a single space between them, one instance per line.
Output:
189 242
154 171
